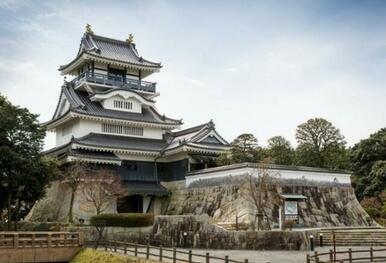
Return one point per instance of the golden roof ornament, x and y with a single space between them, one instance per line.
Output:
130 39
88 29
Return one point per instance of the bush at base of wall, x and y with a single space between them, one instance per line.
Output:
123 220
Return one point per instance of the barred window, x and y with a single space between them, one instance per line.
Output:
121 129
120 104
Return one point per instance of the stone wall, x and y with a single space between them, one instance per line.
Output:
199 232
54 207
326 205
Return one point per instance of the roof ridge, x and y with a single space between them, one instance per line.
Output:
118 41
190 130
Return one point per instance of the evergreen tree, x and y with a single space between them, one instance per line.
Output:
320 144
24 171
280 151
245 149
368 159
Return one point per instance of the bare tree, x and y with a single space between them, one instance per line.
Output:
261 189
102 188
73 176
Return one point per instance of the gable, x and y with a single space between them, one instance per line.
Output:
62 108
120 103
211 139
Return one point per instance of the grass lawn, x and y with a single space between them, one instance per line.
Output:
90 255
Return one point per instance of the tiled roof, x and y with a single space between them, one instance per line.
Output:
146 188
121 142
112 49
94 154
81 103
193 136
270 166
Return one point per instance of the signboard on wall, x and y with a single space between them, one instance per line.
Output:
291 210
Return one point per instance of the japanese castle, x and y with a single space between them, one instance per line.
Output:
106 116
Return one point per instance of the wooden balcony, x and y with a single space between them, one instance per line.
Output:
116 81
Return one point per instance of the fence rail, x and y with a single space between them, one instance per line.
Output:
360 255
160 253
15 240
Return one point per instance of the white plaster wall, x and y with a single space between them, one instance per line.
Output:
282 174
145 204
109 104
83 127
63 139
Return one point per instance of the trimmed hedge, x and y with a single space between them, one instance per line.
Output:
123 220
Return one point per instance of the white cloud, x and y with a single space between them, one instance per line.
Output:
263 73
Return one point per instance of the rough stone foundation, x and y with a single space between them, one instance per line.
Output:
326 205
170 231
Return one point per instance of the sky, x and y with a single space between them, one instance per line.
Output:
260 67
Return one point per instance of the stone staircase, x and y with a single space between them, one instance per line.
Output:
354 236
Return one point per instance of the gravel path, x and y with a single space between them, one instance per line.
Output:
254 256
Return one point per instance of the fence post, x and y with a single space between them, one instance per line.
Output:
190 256
49 240
33 240
115 246
207 257
321 240
311 242
16 240
160 253
226 259
174 255
371 254
350 255
105 246
147 251
125 251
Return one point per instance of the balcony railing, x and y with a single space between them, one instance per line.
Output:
116 81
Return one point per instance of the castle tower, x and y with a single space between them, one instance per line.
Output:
106 117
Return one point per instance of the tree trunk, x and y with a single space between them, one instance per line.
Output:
9 211
17 208
70 216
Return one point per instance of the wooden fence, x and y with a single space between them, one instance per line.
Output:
16 240
161 253
361 255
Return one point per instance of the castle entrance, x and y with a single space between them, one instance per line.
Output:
130 204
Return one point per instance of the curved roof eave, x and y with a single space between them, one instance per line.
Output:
65 69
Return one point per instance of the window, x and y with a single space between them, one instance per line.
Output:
120 104
120 129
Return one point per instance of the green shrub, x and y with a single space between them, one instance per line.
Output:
373 212
123 220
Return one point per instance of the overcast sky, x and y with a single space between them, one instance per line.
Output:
261 67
